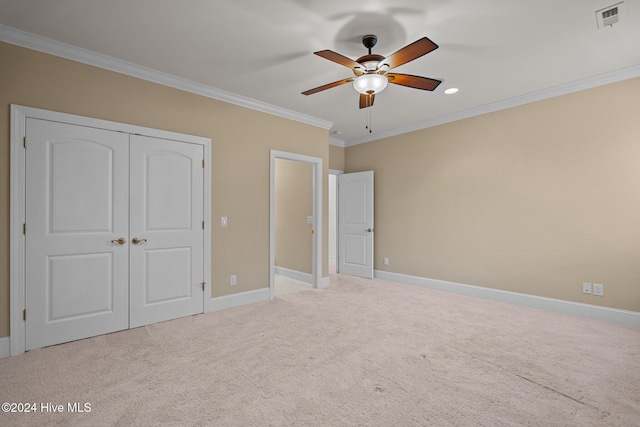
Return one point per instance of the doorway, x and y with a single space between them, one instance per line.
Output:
305 224
293 232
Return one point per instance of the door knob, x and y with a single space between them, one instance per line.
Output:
369 230
120 241
137 241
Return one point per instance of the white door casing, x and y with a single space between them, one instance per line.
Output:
76 279
64 220
355 224
166 230
316 265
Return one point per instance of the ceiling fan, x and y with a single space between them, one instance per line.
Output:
371 72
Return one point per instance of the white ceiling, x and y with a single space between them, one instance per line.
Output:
494 51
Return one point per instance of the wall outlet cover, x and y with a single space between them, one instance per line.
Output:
586 288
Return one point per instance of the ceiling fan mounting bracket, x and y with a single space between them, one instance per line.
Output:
369 41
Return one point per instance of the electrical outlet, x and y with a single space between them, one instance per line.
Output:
586 288
598 289
385 261
234 279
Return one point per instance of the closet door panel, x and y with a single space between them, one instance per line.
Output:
77 207
166 271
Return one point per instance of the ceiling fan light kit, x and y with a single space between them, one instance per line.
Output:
371 71
368 84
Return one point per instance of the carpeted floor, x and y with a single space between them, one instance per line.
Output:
362 353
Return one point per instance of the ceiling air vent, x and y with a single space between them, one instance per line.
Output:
610 15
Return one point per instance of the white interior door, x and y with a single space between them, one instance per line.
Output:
355 224
77 208
167 235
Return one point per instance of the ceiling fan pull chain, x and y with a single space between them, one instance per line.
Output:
366 119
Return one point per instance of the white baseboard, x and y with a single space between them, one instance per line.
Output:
5 347
324 283
603 314
333 258
236 300
294 274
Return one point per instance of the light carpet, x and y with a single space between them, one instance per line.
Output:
361 353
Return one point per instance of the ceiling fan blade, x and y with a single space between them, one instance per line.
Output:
410 52
327 86
337 58
416 82
366 101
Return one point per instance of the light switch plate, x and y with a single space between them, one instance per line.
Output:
223 221
598 289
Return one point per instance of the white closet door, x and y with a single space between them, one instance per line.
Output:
77 207
166 271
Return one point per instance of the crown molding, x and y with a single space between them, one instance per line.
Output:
337 142
67 51
63 50
578 85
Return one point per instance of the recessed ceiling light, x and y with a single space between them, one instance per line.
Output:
451 90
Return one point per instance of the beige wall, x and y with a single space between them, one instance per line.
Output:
241 140
293 204
336 157
533 199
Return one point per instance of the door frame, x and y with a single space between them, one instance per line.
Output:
336 172
316 252
17 259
